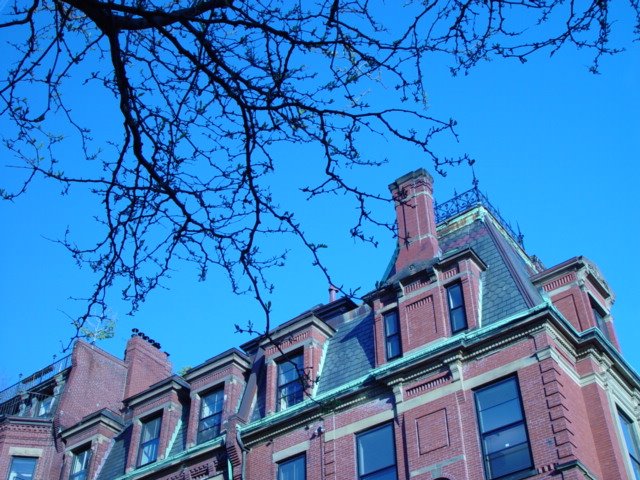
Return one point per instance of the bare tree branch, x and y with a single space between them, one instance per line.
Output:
209 91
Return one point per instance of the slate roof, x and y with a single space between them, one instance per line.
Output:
180 442
350 352
506 286
507 290
115 462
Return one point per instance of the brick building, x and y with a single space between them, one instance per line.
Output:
469 360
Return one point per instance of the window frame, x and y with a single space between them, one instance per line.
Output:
372 474
154 440
296 358
291 460
599 315
200 435
83 473
630 425
394 336
522 472
453 309
13 475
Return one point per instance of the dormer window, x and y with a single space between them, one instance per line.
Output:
149 440
392 335
290 381
210 415
80 465
457 314
598 316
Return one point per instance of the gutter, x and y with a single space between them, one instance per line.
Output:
175 459
463 339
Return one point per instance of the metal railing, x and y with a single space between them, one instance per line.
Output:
469 199
32 381
35 405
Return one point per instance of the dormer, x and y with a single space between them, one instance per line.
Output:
579 291
156 414
216 390
292 356
87 443
429 301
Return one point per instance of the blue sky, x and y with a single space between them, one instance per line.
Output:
556 150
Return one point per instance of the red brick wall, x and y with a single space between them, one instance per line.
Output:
96 381
146 365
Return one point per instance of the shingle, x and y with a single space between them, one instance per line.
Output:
115 463
180 441
350 352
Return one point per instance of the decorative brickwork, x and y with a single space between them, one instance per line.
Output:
468 359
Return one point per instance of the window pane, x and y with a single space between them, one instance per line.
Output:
457 315
393 347
391 323
454 293
80 461
497 394
44 408
511 460
376 451
458 320
212 403
290 369
22 468
151 429
149 453
290 394
502 414
294 469
504 439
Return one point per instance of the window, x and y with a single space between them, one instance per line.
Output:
80 465
377 454
392 335
503 432
22 468
293 469
457 315
149 439
290 381
599 318
44 406
631 440
210 415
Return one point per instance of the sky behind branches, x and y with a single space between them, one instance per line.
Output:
557 154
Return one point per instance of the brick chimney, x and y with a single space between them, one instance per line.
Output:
146 363
417 240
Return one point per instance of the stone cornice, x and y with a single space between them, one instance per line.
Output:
104 418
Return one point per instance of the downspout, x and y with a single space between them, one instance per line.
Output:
244 454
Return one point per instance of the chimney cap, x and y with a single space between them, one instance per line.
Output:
408 177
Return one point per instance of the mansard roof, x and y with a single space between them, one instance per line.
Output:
507 291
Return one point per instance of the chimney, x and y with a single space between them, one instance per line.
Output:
413 196
332 293
146 363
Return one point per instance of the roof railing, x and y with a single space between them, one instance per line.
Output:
467 200
32 381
